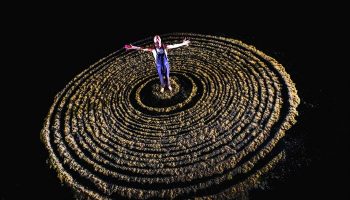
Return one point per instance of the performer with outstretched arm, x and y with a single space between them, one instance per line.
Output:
161 58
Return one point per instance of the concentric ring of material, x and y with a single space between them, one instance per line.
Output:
111 134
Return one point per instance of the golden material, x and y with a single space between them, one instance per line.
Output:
229 107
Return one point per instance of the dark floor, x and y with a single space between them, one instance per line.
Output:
48 54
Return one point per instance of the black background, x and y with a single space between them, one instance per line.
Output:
47 46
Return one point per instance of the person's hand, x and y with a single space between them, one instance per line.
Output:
128 46
186 42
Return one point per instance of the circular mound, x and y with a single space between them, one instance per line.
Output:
111 134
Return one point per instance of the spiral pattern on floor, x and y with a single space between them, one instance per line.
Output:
111 134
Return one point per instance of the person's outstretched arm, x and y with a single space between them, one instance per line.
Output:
184 43
129 47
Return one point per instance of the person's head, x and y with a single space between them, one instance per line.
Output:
157 41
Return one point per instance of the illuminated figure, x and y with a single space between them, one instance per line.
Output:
161 58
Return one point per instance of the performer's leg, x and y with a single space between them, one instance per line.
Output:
159 70
168 75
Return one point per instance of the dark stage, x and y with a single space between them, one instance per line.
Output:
52 53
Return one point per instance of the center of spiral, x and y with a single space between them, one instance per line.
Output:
167 94
147 97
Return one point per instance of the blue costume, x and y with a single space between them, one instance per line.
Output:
162 65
